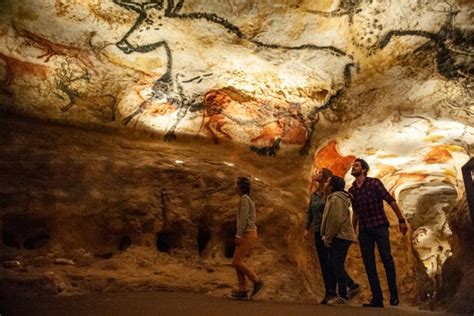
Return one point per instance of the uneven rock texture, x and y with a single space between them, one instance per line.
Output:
133 214
458 272
269 89
246 71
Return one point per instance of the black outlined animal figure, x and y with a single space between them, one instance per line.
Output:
454 47
268 150
102 106
313 117
150 14
151 31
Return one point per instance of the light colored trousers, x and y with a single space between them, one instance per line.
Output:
246 243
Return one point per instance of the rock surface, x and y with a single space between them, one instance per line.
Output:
282 88
135 214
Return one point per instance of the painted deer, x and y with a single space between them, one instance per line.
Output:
101 105
160 24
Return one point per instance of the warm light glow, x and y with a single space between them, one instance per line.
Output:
421 169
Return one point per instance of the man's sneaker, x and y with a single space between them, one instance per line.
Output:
353 291
238 295
373 304
257 289
337 301
394 301
326 298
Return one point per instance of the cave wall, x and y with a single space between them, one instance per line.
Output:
88 211
315 84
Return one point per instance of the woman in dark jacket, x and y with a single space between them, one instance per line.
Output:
313 223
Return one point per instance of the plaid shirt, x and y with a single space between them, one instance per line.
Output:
367 203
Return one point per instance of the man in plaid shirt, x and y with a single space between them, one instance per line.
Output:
367 196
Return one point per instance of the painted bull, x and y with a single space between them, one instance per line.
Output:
159 22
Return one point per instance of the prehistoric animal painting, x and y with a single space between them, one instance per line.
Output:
147 35
69 72
213 115
16 68
52 49
363 27
329 157
454 47
68 80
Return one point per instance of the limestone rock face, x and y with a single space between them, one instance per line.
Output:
86 211
247 72
282 87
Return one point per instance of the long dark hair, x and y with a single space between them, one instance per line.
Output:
244 185
327 174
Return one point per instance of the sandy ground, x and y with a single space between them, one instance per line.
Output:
161 303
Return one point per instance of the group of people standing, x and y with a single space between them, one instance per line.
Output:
329 218
333 235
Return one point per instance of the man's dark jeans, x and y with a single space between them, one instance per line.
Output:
368 238
327 270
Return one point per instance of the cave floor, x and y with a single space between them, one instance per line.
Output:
175 303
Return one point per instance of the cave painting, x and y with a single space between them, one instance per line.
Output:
438 154
365 28
150 18
102 106
52 49
420 168
276 122
169 91
71 79
329 157
453 47
214 115
15 68
151 31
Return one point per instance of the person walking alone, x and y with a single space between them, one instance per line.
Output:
245 237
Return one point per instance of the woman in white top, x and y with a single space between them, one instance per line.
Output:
245 237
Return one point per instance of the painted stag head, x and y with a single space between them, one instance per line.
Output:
142 36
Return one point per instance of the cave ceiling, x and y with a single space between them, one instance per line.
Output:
269 75
240 71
